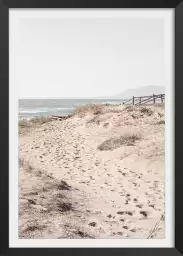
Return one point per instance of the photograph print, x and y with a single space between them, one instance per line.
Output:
91 95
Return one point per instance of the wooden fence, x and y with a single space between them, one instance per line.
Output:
154 99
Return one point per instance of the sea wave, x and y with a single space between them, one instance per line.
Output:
112 102
32 111
35 111
60 109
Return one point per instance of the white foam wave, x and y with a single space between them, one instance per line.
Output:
32 111
111 102
62 108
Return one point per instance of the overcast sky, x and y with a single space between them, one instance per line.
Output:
88 57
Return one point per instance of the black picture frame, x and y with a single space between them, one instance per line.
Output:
4 123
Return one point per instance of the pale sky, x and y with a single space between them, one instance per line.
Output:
88 57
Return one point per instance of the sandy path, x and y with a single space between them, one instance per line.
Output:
117 193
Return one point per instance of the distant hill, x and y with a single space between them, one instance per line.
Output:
141 91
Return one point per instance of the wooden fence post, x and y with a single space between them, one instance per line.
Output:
161 98
154 99
140 100
133 100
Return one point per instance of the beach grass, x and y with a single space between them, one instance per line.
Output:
127 139
95 109
26 125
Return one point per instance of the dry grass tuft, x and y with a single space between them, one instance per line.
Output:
37 120
127 139
134 116
82 234
40 120
95 109
160 114
114 110
41 198
26 125
153 232
146 111
35 227
63 185
161 122
27 167
129 108
64 207
94 120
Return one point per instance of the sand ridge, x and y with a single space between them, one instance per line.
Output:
116 192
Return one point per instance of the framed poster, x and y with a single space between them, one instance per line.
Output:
87 105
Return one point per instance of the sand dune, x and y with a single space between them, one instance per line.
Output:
97 174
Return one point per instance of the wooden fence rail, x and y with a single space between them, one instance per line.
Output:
159 98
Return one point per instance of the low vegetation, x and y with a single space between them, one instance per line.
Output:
153 232
161 122
127 139
94 120
160 114
37 120
25 125
134 116
113 110
129 108
41 196
146 111
95 109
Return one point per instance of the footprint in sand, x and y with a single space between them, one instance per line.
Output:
139 205
144 214
133 230
151 205
119 233
92 224
125 227
130 213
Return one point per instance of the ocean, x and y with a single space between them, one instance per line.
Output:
30 108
